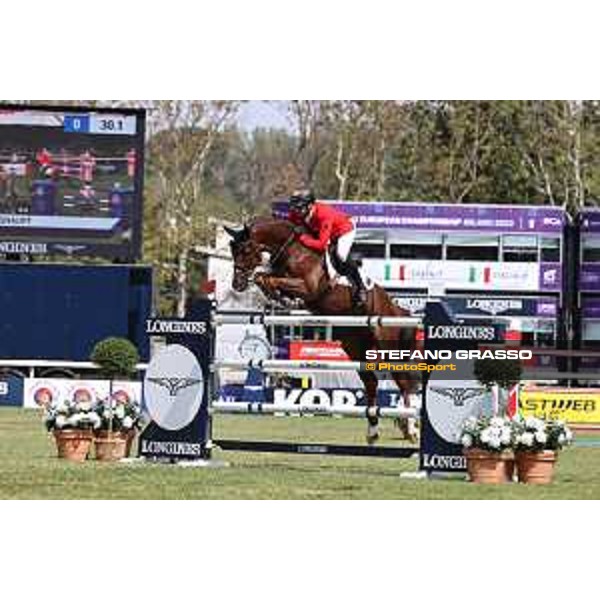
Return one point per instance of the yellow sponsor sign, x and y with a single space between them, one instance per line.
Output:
572 406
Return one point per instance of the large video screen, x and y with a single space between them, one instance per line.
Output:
71 181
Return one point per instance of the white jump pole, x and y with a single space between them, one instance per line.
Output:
316 320
280 366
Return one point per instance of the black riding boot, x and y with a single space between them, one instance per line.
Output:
359 292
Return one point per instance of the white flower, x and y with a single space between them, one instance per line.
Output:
95 420
74 420
127 422
106 414
505 437
486 436
466 440
120 412
497 422
541 437
495 443
534 423
84 406
526 439
61 421
568 434
562 438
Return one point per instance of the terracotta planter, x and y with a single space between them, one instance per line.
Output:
110 446
536 467
73 444
129 440
489 467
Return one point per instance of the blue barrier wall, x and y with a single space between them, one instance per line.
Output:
11 390
59 312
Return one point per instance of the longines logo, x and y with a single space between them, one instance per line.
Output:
173 387
69 249
458 396
162 326
449 405
23 247
494 307
461 332
174 384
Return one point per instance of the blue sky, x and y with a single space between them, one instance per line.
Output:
257 113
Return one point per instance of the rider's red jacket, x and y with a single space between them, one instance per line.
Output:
326 223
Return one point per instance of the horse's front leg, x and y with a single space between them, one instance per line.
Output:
263 281
289 287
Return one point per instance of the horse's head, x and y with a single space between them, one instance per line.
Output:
247 256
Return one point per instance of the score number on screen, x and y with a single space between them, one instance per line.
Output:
100 124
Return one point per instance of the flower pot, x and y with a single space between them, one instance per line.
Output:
536 467
510 466
73 444
129 439
110 446
489 467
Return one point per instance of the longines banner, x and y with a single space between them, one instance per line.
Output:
478 306
572 406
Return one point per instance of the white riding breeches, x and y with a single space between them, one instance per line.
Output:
344 244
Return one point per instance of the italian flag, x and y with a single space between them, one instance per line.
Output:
474 275
400 274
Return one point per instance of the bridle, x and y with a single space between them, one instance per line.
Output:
279 254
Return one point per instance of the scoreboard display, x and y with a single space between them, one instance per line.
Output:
71 181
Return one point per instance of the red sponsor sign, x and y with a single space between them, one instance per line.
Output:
317 350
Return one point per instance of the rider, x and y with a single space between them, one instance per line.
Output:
328 225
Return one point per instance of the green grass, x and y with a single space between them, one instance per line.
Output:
29 469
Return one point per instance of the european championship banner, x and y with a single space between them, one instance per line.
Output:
572 406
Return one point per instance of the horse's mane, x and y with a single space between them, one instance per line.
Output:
266 221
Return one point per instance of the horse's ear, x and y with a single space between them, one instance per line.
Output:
231 232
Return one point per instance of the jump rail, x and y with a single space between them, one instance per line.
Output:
317 449
316 320
278 366
257 408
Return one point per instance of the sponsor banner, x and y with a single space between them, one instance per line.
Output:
317 350
481 306
11 390
38 393
590 307
313 396
570 405
550 277
589 277
589 221
472 275
444 217
176 387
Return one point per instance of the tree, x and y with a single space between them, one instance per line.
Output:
182 136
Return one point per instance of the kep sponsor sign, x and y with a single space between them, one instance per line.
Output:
572 406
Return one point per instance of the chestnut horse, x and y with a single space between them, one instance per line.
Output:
296 272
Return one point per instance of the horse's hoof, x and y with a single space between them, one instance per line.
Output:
372 438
